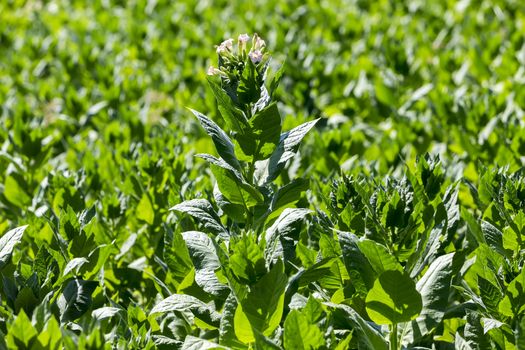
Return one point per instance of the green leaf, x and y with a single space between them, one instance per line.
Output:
105 312
15 193
8 242
203 254
384 94
234 118
286 150
21 333
361 272
194 343
220 139
434 288
367 336
289 193
262 308
183 302
202 210
493 237
393 298
144 210
75 299
276 79
379 256
247 258
301 334
513 304
176 255
266 127
231 183
226 330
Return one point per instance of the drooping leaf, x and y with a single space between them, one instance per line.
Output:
231 183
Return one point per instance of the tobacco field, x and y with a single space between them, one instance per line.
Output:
337 174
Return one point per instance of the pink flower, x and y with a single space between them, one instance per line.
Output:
243 38
255 56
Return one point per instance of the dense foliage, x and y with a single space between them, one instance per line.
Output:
361 189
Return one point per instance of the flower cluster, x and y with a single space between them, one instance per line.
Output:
231 59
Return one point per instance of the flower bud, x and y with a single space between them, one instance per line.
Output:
242 40
228 44
255 56
257 43
215 71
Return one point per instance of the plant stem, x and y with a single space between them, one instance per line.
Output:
393 337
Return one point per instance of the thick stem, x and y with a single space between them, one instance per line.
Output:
393 337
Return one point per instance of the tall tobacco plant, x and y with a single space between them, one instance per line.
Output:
240 257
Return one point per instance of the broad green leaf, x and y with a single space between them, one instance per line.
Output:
473 332
513 304
75 299
262 308
493 237
176 255
203 253
289 193
266 127
226 330
301 334
21 333
105 312
74 264
202 210
367 336
8 242
393 298
247 258
194 343
234 118
434 288
222 142
145 209
15 192
182 302
378 256
286 150
51 336
361 272
231 183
